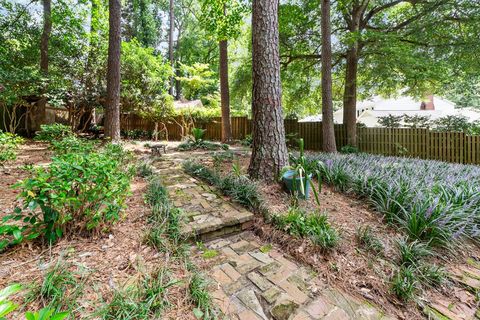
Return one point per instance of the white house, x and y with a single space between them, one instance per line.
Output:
369 111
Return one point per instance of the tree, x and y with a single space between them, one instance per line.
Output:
222 18
328 131
112 111
269 151
170 42
37 115
390 121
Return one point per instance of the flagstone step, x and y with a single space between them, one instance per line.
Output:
207 214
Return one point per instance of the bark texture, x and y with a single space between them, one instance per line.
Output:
350 91
38 114
328 132
269 151
225 92
112 112
47 29
170 45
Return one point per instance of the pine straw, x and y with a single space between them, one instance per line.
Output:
111 260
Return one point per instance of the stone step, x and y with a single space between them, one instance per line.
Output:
207 214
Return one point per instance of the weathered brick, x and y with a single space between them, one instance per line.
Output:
271 295
261 282
292 290
319 307
262 257
230 271
220 276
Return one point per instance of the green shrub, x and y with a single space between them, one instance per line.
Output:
52 132
315 226
72 144
76 191
190 145
9 143
247 141
349 149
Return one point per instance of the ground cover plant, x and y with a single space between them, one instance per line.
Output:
76 191
196 142
9 144
312 225
433 202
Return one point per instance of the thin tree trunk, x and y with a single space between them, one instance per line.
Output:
269 151
225 92
170 45
350 96
112 112
328 130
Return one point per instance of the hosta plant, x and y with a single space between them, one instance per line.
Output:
53 132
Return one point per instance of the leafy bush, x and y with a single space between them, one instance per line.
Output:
315 226
72 144
199 295
202 145
76 191
145 170
52 132
349 149
247 141
433 202
198 134
9 143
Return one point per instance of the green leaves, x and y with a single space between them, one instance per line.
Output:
223 18
85 187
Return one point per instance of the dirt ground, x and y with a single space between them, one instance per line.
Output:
103 262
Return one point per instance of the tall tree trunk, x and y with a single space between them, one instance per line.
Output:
350 96
225 92
328 130
170 45
112 112
269 151
37 116
47 29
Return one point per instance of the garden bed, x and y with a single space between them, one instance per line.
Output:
351 265
100 263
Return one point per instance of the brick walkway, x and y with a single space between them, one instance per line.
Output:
249 280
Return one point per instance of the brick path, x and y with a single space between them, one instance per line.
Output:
251 281
462 302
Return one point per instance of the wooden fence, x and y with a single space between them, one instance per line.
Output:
421 143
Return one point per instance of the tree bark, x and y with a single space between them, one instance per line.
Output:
350 96
37 116
269 151
112 112
47 29
170 45
225 92
328 130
